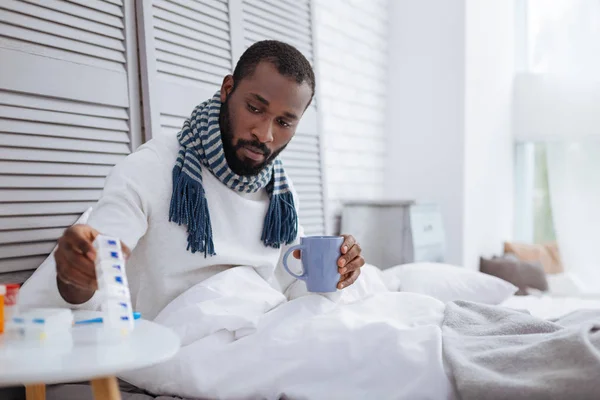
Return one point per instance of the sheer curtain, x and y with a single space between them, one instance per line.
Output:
574 183
565 44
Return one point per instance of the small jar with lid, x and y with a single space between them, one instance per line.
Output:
10 300
2 294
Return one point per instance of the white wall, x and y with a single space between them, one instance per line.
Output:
426 109
489 146
352 46
449 117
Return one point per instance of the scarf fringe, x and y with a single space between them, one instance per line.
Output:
281 221
190 207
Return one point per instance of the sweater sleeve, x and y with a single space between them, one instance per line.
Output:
122 211
125 206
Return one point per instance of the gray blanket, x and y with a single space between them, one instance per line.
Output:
497 353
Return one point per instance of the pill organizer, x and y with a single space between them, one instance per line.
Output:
41 324
113 287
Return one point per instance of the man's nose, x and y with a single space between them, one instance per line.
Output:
264 131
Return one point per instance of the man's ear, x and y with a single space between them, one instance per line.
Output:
226 87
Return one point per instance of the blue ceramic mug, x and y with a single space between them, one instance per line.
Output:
319 256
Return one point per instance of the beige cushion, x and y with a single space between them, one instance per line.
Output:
546 254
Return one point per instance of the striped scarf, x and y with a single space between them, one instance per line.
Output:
202 147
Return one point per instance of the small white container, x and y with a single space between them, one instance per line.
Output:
108 249
107 242
115 292
106 255
107 275
42 324
118 313
112 284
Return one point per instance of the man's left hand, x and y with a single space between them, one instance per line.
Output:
350 262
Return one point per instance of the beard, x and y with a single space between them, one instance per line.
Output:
242 167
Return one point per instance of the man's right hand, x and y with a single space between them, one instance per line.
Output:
75 270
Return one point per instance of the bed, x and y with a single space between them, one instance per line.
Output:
549 306
386 336
412 331
565 294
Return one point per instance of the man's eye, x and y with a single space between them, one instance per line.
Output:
284 124
253 109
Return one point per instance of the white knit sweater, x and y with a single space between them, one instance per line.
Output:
135 208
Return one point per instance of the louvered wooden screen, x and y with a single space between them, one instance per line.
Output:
70 104
188 53
67 78
190 46
291 21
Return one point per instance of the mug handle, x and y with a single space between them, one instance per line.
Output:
285 258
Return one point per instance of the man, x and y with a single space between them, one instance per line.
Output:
213 197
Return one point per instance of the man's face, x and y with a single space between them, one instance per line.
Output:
259 118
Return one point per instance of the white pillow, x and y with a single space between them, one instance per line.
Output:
565 284
448 283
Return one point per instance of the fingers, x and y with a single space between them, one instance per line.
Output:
75 257
349 241
353 265
79 238
297 254
126 251
75 269
350 255
78 280
349 279
350 262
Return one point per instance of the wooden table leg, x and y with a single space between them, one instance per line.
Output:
35 392
106 388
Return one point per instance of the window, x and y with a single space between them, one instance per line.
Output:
535 223
557 126
562 36
543 223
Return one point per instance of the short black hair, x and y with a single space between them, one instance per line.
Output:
286 58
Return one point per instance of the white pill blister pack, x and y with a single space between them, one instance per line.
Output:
113 288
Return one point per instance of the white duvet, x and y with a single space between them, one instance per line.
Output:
242 339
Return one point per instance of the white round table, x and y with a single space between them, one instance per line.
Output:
85 359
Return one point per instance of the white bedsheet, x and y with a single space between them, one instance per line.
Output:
548 306
241 339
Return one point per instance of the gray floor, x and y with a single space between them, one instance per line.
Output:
81 391
12 393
